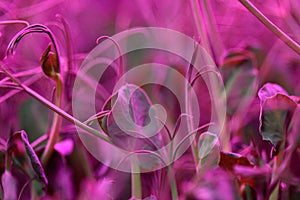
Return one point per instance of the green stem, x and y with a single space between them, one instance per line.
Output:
7 161
275 172
172 183
217 45
56 124
136 182
271 26
199 26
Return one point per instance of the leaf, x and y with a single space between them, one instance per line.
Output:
9 185
208 150
276 108
230 160
34 160
131 123
269 90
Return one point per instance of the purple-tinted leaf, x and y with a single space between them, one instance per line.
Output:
130 122
9 185
208 150
34 160
276 108
230 160
257 178
269 90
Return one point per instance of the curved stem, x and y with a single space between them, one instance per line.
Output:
56 124
271 26
121 65
56 109
199 25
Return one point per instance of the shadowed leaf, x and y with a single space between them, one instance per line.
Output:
131 124
230 160
132 108
209 151
276 108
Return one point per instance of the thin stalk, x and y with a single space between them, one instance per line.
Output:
199 25
27 82
56 109
30 72
136 182
217 45
173 184
271 26
172 180
190 124
188 136
23 188
121 65
276 167
56 124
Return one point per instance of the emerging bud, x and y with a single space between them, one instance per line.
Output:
49 62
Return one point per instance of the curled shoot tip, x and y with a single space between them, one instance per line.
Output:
35 28
121 65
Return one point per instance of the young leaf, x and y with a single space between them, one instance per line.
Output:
128 119
209 151
34 160
276 108
132 124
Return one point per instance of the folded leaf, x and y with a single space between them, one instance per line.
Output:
34 160
130 124
276 108
133 124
